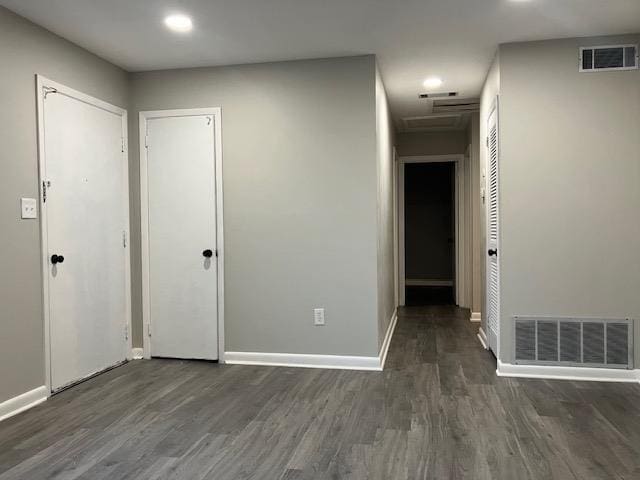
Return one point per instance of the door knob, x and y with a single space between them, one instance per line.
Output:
492 252
207 253
57 259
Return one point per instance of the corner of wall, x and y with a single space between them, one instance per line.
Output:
385 211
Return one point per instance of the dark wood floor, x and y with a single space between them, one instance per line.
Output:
437 411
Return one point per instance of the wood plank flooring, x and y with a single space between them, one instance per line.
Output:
437 411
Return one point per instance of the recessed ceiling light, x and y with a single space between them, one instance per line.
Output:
179 23
433 82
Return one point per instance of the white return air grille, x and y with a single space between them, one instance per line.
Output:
574 342
607 58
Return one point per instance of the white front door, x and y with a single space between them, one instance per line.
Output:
182 256
85 181
493 232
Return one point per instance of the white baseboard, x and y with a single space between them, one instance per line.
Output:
338 362
567 373
384 349
23 402
303 360
483 338
137 353
476 317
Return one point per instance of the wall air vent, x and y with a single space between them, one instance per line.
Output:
577 342
608 58
438 95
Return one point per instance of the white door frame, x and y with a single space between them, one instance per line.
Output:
216 113
459 211
396 231
44 87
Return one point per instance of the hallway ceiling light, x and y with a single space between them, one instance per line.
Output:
178 23
433 82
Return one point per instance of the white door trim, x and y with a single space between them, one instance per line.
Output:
51 87
400 216
216 112
459 212
396 258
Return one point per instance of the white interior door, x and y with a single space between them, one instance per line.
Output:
86 225
182 246
493 233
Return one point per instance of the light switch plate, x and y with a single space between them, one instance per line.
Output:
29 207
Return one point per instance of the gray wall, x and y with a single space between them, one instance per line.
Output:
300 190
25 50
569 185
431 143
386 210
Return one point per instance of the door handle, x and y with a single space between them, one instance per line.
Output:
57 259
207 253
492 252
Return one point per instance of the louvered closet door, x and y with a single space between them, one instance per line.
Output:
493 267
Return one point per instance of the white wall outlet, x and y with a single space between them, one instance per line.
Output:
29 207
318 316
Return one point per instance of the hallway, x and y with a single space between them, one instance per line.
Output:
437 411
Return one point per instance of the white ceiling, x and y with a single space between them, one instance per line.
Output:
413 39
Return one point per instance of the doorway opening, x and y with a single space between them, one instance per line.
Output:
433 230
429 234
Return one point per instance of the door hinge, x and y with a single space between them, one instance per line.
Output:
124 239
146 141
45 185
47 90
487 141
122 144
149 329
126 332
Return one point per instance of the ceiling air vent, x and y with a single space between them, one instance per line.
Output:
457 105
438 95
607 58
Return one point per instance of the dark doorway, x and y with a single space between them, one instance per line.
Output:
429 233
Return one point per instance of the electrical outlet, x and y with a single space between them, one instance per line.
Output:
318 316
29 207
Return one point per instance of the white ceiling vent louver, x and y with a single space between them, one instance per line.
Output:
608 58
